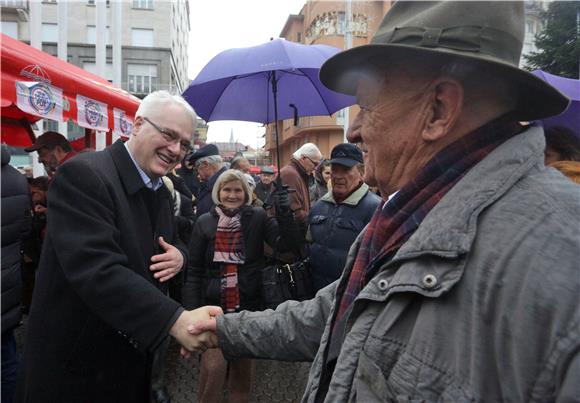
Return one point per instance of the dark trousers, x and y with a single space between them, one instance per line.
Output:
10 362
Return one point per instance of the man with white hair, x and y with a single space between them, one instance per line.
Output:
99 310
297 175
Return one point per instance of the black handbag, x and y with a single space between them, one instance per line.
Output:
281 282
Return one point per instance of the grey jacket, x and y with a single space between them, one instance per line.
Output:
480 304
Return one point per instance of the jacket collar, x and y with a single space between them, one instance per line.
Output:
450 227
354 198
126 168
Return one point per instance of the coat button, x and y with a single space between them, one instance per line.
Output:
429 281
383 284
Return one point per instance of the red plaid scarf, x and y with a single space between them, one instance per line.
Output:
391 226
229 250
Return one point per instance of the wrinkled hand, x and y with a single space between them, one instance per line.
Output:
200 341
167 264
39 209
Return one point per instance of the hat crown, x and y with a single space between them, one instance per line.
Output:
476 28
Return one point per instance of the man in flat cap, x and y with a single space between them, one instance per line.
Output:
53 150
209 165
464 285
339 216
100 309
266 185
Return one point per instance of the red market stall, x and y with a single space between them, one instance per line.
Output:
36 85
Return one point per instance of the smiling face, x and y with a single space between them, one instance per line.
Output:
388 129
232 195
156 152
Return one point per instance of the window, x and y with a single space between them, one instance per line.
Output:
93 2
10 28
92 35
148 4
142 78
49 32
91 67
299 37
142 37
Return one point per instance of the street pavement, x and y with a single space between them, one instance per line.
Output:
274 381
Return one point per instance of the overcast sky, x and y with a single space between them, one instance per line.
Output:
217 25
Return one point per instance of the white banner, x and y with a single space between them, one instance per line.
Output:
39 99
123 125
92 114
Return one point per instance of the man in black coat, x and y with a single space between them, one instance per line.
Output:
100 308
15 226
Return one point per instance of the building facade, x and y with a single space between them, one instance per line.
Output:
154 42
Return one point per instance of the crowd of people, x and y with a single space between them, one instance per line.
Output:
442 245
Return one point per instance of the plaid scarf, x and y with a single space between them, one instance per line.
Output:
394 223
229 250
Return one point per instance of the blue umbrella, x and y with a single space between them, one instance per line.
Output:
274 81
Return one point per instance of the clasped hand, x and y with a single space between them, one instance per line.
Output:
196 330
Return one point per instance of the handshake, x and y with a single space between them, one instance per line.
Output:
196 330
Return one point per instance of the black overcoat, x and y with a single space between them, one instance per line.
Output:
97 312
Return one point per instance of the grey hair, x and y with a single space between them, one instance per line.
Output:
228 176
308 150
210 159
157 98
251 182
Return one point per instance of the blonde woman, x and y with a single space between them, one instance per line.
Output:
226 259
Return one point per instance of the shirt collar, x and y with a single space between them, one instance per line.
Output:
154 185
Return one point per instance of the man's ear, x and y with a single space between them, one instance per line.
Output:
446 107
137 123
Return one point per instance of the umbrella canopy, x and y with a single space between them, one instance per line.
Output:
237 84
36 85
571 88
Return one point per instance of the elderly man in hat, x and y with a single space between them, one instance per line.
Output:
53 150
100 309
464 285
339 216
266 185
209 165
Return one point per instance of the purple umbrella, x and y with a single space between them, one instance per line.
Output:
571 88
266 83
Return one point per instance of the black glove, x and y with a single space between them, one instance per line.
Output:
282 200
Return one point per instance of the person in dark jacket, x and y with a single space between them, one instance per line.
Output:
266 186
189 175
209 165
15 226
100 309
226 259
339 216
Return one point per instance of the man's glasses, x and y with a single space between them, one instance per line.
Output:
171 137
316 163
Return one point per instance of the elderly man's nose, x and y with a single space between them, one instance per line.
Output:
353 134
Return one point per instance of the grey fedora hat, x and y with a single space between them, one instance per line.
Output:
488 34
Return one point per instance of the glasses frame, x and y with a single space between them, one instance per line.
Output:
313 163
170 137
